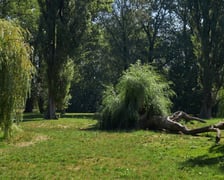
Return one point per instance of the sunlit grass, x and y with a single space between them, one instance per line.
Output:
70 148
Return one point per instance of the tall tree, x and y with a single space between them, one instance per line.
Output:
154 18
180 58
136 29
122 32
63 24
55 33
15 73
96 68
206 20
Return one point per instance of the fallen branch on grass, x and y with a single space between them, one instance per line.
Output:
171 123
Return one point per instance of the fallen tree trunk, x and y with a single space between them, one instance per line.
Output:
171 123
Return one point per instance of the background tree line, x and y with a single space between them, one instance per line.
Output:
79 46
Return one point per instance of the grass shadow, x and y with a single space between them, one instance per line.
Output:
215 157
96 127
32 117
79 115
217 149
39 117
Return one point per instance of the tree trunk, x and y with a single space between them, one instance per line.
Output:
7 129
29 105
171 123
51 62
51 111
41 105
51 108
206 108
206 111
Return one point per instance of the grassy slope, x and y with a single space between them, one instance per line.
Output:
69 149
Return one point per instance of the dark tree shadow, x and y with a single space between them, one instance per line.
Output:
40 117
208 159
217 149
32 117
80 116
96 127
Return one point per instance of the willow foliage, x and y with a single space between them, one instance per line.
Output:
140 88
15 73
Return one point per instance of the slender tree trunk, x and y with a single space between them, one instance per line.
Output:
51 106
207 101
207 81
51 111
206 110
29 105
151 52
124 39
7 126
41 105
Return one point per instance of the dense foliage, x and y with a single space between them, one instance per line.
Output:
15 73
206 20
183 38
63 83
139 89
63 25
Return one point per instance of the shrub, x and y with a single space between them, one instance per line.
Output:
139 89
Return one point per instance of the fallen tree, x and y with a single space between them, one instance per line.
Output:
171 123
141 99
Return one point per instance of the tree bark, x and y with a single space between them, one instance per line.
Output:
41 104
206 108
51 60
51 108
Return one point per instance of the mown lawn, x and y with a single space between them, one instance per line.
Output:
70 148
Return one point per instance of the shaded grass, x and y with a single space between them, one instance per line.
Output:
70 149
32 117
80 115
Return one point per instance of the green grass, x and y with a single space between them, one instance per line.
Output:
70 148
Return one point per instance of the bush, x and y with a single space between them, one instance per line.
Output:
139 89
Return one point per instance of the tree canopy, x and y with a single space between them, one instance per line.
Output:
80 46
206 20
62 27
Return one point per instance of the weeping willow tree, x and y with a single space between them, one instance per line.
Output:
15 74
140 89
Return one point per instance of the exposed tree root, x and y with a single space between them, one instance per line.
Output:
171 123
